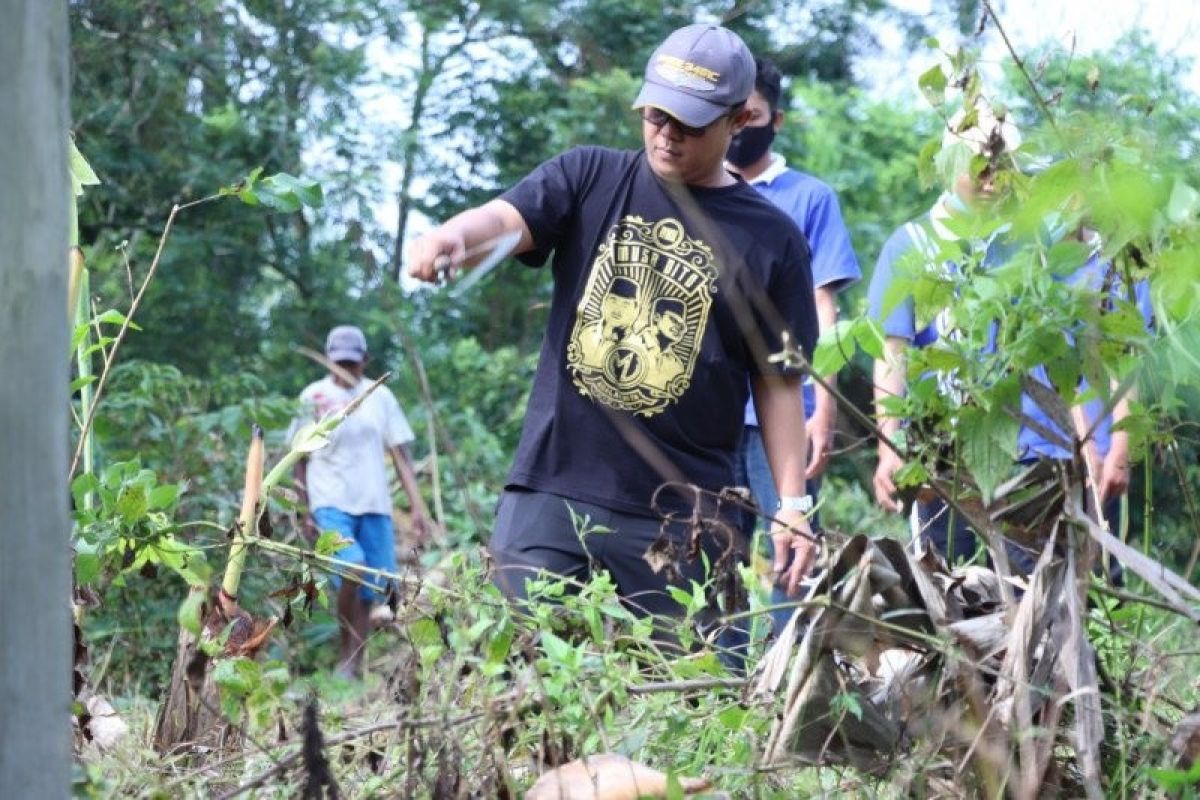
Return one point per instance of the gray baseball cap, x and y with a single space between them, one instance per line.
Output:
346 343
698 74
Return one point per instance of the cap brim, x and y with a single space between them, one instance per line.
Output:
688 109
345 355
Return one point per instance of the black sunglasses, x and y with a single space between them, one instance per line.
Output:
657 117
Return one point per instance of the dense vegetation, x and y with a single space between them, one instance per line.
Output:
398 113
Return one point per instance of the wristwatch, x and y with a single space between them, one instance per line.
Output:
802 503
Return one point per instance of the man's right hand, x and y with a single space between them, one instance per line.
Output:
428 254
884 483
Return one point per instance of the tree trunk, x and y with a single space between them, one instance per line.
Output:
35 622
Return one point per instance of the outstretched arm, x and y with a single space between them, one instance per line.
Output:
455 237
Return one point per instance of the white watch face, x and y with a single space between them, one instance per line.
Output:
803 503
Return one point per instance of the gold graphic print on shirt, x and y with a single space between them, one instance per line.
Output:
642 316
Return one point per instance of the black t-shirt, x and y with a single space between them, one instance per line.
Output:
660 314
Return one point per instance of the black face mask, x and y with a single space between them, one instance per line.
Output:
750 144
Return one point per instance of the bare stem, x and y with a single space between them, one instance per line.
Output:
110 358
1012 52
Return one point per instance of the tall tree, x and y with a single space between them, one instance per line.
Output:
35 625
176 99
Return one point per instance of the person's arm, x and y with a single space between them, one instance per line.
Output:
309 526
421 521
1112 473
781 417
820 426
890 381
462 232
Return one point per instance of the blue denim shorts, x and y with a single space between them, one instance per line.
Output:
372 544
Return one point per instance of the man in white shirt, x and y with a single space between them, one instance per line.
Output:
346 489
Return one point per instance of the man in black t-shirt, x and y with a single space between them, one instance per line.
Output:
674 282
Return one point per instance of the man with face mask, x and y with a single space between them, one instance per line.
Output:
813 205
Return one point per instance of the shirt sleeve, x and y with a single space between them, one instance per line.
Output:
791 293
898 320
547 199
834 263
397 431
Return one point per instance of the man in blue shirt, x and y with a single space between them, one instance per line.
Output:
813 205
1106 452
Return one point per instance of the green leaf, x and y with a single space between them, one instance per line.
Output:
846 703
699 666
1174 780
834 348
309 438
191 610
680 596
79 334
557 650
932 84
132 504
84 484
81 382
87 566
868 332
224 119
989 446
185 560
424 632
287 193
1183 203
244 189
81 171
164 496
733 718
238 677
616 611
477 630
591 615
927 170
500 644
330 542
114 317
913 473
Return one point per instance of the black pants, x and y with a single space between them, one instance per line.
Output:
535 531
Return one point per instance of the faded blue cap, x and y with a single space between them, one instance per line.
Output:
698 74
346 343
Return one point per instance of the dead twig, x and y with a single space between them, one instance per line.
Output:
397 726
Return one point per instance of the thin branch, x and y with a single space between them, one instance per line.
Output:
120 337
1037 95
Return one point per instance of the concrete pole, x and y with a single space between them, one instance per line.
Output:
35 585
